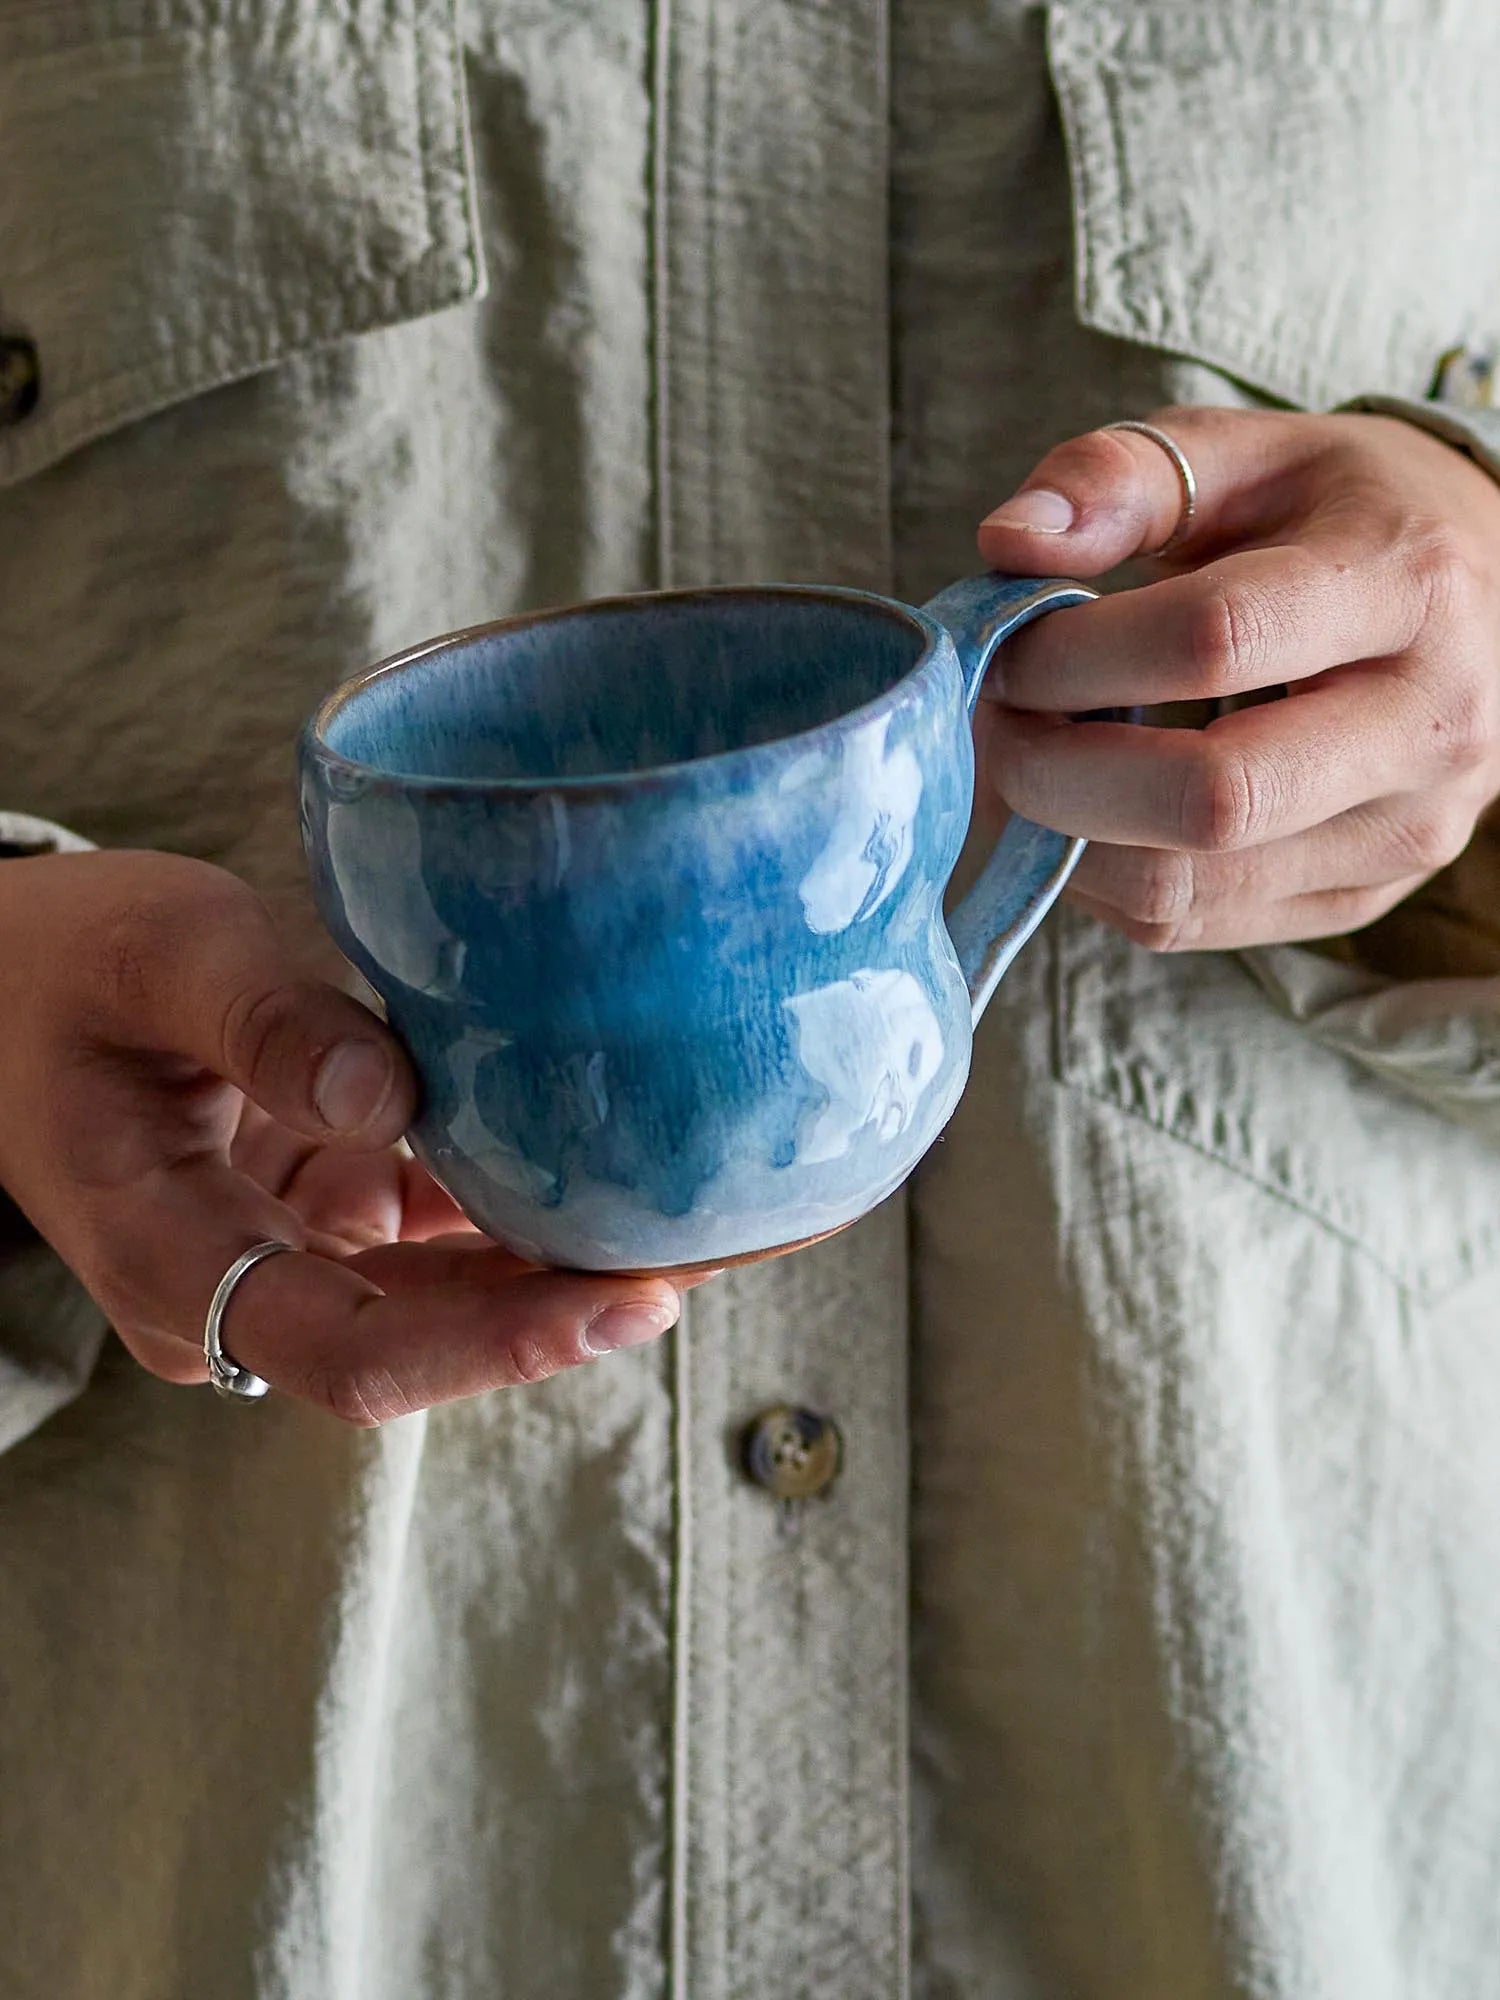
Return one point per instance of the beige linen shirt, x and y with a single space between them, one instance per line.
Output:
1145 1647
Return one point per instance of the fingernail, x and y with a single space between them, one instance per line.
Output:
1037 508
352 1084
629 1325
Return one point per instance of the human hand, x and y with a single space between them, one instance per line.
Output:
173 1090
1354 560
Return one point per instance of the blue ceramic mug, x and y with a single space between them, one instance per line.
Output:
652 890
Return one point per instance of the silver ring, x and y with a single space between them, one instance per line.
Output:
227 1376
1185 475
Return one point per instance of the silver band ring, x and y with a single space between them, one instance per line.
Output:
1188 482
227 1376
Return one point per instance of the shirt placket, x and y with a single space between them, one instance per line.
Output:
772 433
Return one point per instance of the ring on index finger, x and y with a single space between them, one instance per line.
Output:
1185 475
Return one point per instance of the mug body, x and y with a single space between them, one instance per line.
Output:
652 891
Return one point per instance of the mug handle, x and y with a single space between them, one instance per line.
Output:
1030 865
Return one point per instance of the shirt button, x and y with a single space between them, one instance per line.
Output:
1466 378
793 1453
20 378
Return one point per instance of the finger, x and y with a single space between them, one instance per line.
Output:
268 1152
1185 901
393 1269
468 1239
1295 920
1256 775
351 1197
198 970
349 1201
1255 620
152 1251
357 1199
428 1210
1106 496
324 1330
407 1266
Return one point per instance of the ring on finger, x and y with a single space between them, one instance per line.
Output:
1185 476
228 1376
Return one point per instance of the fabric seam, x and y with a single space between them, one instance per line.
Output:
195 368
1471 1261
677 1927
659 81
1094 143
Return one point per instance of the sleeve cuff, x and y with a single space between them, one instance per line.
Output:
51 1334
1474 431
50 1329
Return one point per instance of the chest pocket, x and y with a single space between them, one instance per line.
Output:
1297 194
1190 1046
1300 193
193 190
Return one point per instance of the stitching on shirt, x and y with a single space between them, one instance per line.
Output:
445 272
1425 1285
1279 361
1252 353
659 74
57 25
730 1814
1407 1279
416 64
710 242
194 367
1426 1281
682 1724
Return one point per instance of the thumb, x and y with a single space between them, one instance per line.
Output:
315 1060
1110 495
210 979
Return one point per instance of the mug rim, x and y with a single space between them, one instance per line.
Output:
316 745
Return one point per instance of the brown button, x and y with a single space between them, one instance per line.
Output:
20 378
793 1453
1467 378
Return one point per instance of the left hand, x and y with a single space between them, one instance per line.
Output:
1354 560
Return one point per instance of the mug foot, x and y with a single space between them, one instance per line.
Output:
710 1266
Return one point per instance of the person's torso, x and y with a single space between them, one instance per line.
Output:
543 1695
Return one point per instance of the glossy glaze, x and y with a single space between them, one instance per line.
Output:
652 891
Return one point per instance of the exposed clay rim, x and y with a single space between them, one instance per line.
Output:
712 1266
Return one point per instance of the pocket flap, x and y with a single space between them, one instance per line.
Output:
192 190
1181 1044
1261 184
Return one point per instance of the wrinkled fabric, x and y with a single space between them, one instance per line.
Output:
1438 1039
1187 1277
1144 1648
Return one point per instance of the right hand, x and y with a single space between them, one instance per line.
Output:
173 1089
